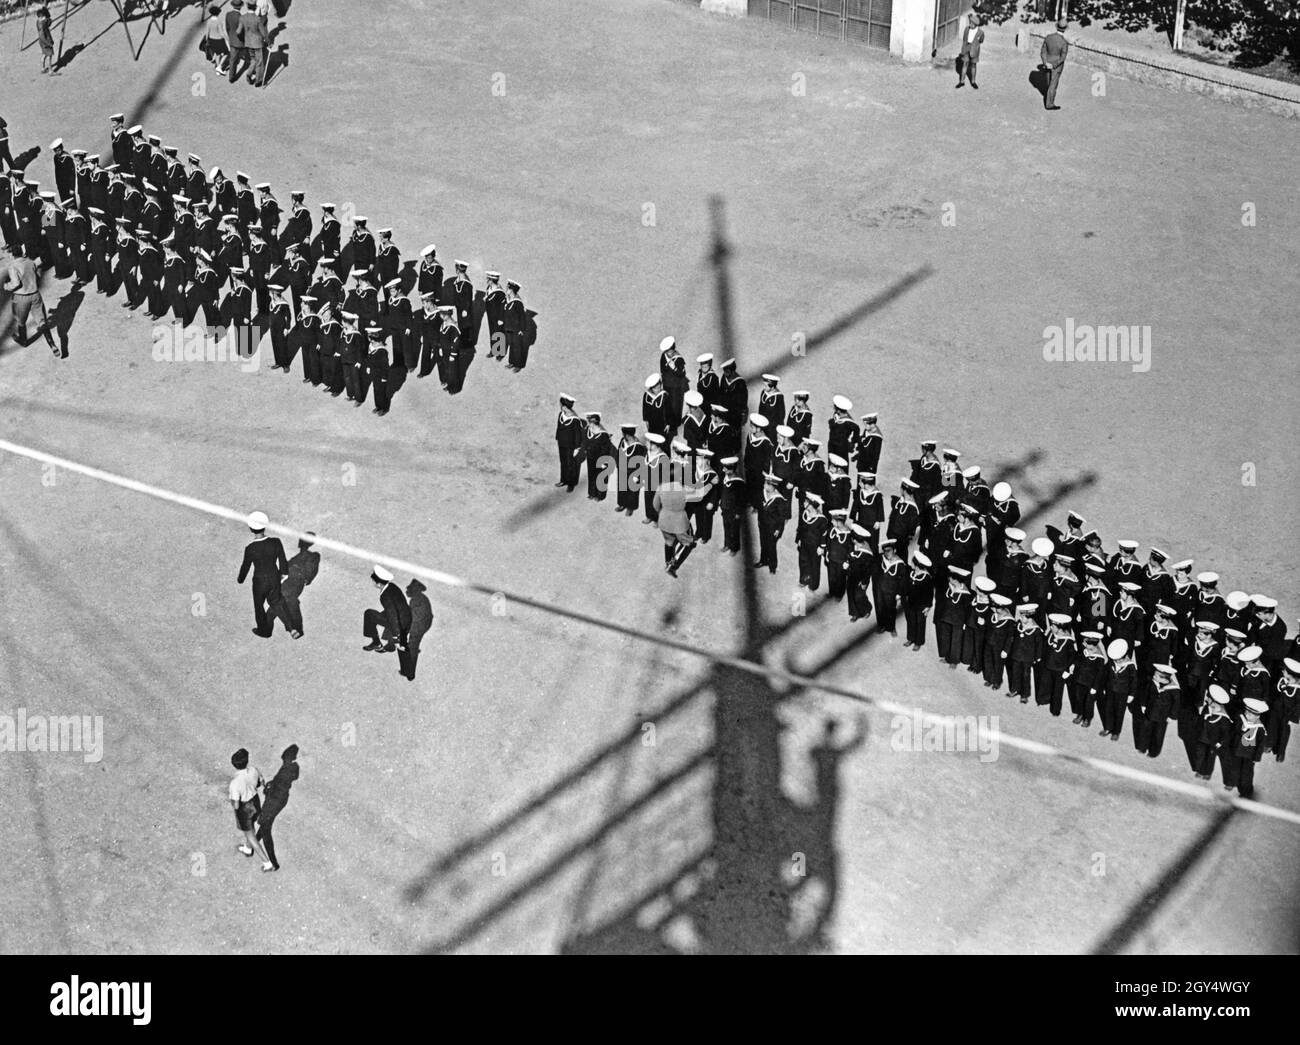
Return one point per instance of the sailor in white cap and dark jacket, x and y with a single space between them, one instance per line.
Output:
570 441
1121 688
810 540
631 469
672 372
771 403
839 546
393 616
732 502
1026 652
1215 733
1161 702
800 418
1054 670
771 521
1284 708
918 595
1246 745
733 393
707 382
842 431
1088 680
265 557
654 406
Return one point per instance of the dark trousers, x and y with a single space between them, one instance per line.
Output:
702 523
289 611
265 595
379 383
1083 701
948 639
887 612
731 531
570 466
859 598
768 536
1112 710
311 364
1149 735
966 66
1205 756
1018 673
993 666
810 567
352 380
836 580
373 621
1050 686
972 646
915 626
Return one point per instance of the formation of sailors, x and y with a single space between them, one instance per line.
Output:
1054 618
194 244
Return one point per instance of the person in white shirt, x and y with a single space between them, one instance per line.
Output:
244 786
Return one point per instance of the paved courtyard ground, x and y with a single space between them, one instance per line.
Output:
512 798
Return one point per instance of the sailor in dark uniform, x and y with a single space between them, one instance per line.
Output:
918 596
631 470
570 440
800 418
732 503
378 367
839 545
707 382
904 516
810 540
672 372
999 628
870 443
388 259
771 521
695 425
844 433
758 461
265 557
858 571
771 403
734 392
363 245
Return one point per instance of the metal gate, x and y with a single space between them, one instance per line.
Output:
863 21
947 22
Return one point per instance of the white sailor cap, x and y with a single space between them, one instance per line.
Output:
787 432
1237 600
327 207
1117 649
730 462
460 266
718 408
655 437
972 472
241 176
429 251
1207 625
909 484
871 418
814 498
134 130
1250 654
729 364
948 451
842 403
681 446
359 221
1264 602
1042 546
1027 608
257 520
652 380
813 444
118 117
492 277
263 186
57 143
1218 694
707 357
998 599
986 584
801 394
1014 533
866 477
1168 611
1208 577
626 426
381 574
1292 665
836 461
393 284
757 421
47 195
1129 586
590 413
1164 669
1061 619
196 160
154 140
1255 705
860 531
839 513
385 232
693 398
1183 567
771 379
214 172
1235 634
667 343
351 317
1091 636
1127 545
939 498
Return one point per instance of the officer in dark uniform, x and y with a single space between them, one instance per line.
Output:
265 557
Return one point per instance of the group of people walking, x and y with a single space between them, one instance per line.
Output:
1053 619
191 244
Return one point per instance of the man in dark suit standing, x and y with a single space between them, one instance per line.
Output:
265 557
394 617
970 52
1055 48
235 36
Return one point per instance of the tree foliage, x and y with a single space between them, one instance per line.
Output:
1258 30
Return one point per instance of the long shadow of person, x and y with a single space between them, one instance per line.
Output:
300 571
815 832
1039 79
408 275
421 622
276 60
61 318
66 58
